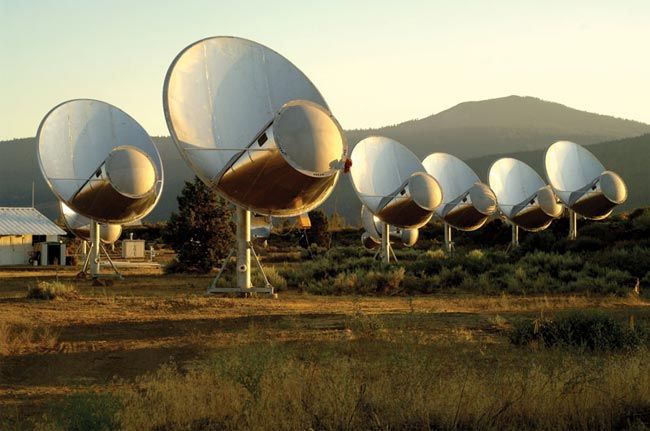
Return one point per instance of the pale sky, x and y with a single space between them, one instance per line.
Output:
375 62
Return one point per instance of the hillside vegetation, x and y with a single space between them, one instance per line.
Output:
609 257
479 131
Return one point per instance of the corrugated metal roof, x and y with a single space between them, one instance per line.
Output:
26 221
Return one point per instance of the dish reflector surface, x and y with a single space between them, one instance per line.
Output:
251 124
99 161
570 167
467 202
390 180
522 195
581 181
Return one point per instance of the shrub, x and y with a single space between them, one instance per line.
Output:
202 232
88 412
476 254
453 277
594 331
274 277
429 263
345 283
435 254
640 220
364 325
585 243
49 290
420 283
540 241
384 282
635 260
319 233
552 263
340 253
288 256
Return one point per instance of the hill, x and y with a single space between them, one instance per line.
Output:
476 131
504 125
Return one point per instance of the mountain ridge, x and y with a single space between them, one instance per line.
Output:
470 130
470 104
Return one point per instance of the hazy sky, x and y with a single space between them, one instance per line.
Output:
376 62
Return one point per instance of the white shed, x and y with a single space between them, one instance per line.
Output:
24 231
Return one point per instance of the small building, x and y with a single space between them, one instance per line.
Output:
26 236
133 249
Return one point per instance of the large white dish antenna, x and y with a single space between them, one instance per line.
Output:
468 202
251 124
373 228
523 197
581 181
99 161
81 226
391 182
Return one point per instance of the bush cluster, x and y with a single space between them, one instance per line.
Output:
349 270
593 331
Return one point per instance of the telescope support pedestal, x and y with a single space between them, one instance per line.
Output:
244 249
385 243
573 225
449 244
515 236
93 258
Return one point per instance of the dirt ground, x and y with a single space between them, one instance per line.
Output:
113 334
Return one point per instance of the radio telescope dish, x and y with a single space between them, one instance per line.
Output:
393 186
581 181
80 226
252 125
373 228
391 182
99 161
523 197
101 164
468 202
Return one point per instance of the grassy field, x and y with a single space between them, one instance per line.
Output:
152 352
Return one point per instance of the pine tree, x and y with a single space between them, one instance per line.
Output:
203 231
319 232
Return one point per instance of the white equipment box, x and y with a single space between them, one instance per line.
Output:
133 249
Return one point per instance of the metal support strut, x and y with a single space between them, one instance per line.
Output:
515 236
449 244
573 225
244 249
385 243
93 258
95 265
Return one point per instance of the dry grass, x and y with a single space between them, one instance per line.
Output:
49 290
373 385
16 339
186 361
